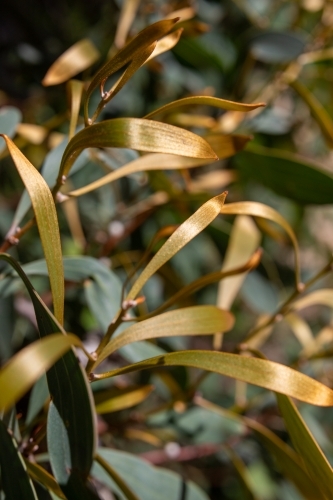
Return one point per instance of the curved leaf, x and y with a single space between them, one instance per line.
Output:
37 473
15 481
116 400
205 101
77 58
322 297
260 210
47 222
313 458
183 234
261 372
287 174
75 88
28 365
166 43
135 133
136 52
196 320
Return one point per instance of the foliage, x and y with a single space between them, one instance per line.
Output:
138 241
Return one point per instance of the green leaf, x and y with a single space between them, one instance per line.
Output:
205 101
77 58
136 52
287 174
114 476
47 222
39 395
196 320
135 133
28 365
15 481
274 47
148 482
260 372
313 458
10 117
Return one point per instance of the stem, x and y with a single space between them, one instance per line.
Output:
13 239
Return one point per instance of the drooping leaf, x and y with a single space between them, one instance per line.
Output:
313 458
133 55
77 58
260 210
15 481
47 222
267 374
135 133
196 320
146 481
205 101
287 174
39 474
29 364
119 399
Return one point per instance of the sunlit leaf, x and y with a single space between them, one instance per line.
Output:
35 134
226 145
136 52
166 43
153 161
15 481
47 222
260 210
116 400
261 372
185 233
196 320
28 365
126 18
135 133
204 101
286 173
300 328
322 297
313 458
77 58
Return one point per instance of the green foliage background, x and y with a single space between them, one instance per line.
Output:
208 435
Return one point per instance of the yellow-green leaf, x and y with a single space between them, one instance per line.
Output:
260 210
37 473
75 88
47 222
77 58
153 161
110 401
196 320
183 235
136 52
260 372
27 366
205 101
135 133
313 458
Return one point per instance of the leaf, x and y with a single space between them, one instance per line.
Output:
313 458
10 117
260 210
166 43
153 161
226 145
317 109
122 485
148 482
116 400
77 58
196 320
261 372
39 395
277 47
248 492
71 410
47 222
135 133
183 234
28 365
205 101
37 473
322 297
287 174
75 88
133 55
289 463
126 18
15 481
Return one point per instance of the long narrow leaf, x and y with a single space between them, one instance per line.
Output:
261 372
47 222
